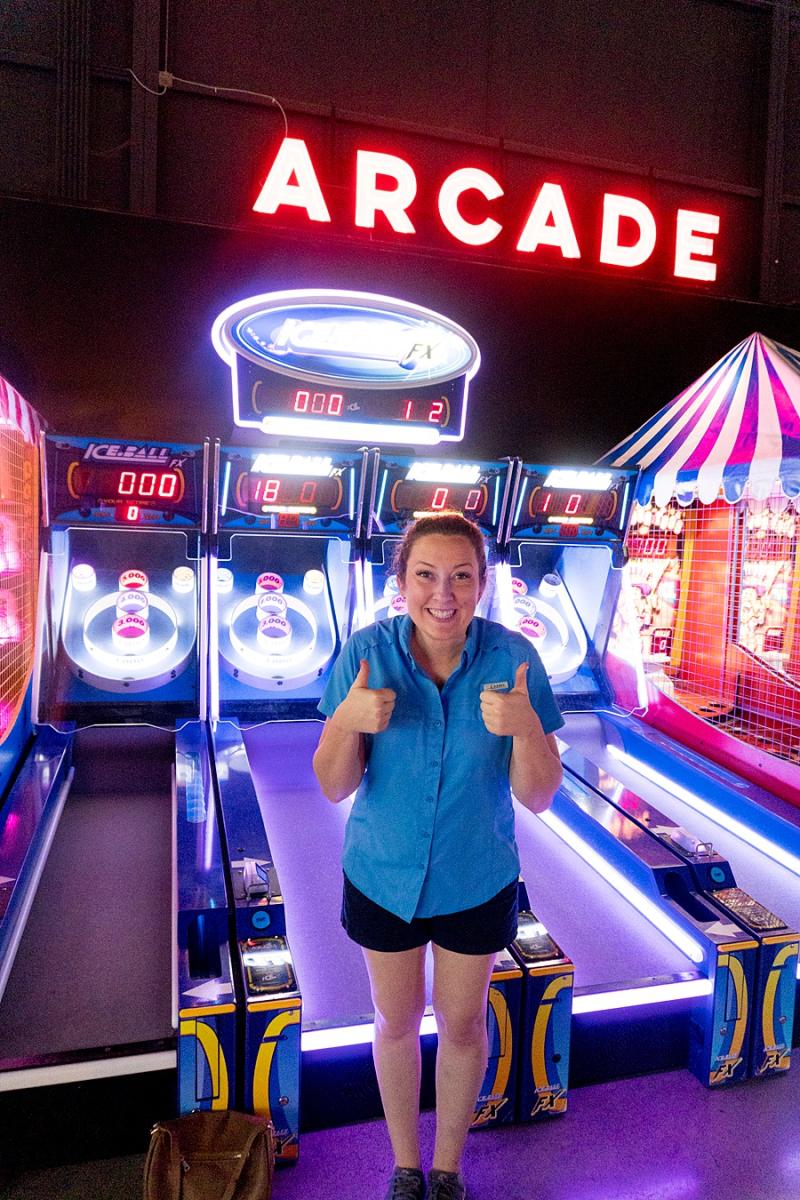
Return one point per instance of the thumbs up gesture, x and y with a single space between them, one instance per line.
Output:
365 709
509 714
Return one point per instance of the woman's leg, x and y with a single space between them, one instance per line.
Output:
460 990
397 981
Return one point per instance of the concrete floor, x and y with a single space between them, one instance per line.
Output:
659 1137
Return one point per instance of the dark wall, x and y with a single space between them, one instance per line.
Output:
675 99
105 328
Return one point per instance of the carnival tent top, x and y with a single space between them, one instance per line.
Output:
17 413
736 428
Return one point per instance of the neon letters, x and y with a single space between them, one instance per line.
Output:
386 194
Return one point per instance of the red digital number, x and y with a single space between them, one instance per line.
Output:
132 511
437 408
547 502
127 482
440 498
473 500
409 409
319 402
147 484
168 485
308 491
573 504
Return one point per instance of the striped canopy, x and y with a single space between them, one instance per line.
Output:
17 413
737 428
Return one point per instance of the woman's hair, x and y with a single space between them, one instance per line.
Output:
448 524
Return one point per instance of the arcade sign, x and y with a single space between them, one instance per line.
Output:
469 199
346 366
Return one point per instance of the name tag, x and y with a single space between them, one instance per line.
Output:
502 686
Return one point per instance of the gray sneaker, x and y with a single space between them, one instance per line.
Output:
446 1185
407 1183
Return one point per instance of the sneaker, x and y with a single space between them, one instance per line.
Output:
446 1185
407 1183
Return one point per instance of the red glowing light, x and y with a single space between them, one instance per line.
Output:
145 485
473 500
328 404
386 184
440 498
573 504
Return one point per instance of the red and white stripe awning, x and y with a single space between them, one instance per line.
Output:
735 431
16 412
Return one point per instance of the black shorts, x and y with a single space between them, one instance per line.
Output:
485 929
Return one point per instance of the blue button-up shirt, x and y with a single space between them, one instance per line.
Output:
431 830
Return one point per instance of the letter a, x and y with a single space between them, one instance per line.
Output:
292 160
550 224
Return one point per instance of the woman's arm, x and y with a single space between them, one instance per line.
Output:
339 760
535 772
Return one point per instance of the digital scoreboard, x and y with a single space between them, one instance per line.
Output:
566 503
125 483
346 366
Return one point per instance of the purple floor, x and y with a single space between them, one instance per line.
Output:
658 1137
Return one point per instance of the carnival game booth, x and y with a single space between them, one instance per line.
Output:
714 562
20 808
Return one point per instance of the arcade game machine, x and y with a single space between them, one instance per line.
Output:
283 599
29 789
126 944
565 560
717 518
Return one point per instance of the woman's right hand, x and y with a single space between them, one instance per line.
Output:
365 709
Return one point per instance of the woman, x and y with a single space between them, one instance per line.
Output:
435 717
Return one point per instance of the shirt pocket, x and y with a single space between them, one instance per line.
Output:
466 712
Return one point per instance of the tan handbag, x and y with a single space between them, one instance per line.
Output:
210 1156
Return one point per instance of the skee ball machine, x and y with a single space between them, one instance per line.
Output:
565 581
282 602
134 882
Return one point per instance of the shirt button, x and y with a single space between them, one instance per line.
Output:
437 724
429 799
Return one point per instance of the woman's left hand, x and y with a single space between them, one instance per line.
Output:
509 714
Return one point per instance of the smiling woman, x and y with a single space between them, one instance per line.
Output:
434 717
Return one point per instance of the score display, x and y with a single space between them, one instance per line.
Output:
102 485
406 488
278 405
313 491
564 507
125 482
412 496
289 493
346 366
567 502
